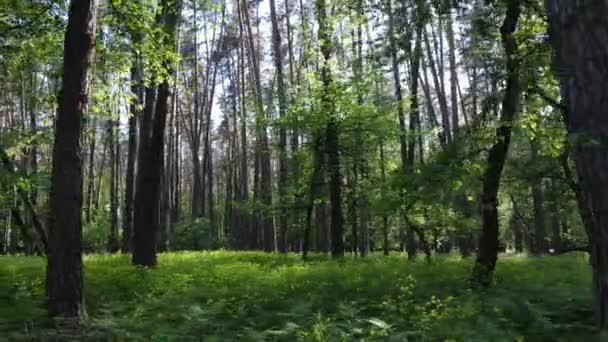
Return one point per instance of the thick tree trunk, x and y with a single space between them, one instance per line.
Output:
64 268
487 254
579 35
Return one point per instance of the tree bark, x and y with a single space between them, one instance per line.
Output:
278 64
487 253
134 109
579 34
146 209
64 268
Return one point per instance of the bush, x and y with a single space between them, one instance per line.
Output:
95 235
194 235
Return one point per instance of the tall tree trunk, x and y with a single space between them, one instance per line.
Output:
400 104
385 232
64 268
332 134
453 72
263 190
443 105
146 208
136 103
408 167
578 33
91 173
487 253
113 234
278 64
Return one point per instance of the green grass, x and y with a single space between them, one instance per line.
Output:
250 296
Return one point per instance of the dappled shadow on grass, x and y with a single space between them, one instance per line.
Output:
252 296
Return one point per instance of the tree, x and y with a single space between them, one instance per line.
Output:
147 195
487 253
332 137
64 268
577 32
278 64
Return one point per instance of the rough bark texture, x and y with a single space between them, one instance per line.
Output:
579 35
487 252
64 269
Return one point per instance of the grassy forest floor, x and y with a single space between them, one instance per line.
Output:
250 296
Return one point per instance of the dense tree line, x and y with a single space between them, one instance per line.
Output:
302 126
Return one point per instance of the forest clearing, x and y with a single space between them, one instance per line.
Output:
303 170
254 296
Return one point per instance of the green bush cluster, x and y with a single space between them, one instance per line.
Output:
253 296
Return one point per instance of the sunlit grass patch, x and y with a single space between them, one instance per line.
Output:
254 296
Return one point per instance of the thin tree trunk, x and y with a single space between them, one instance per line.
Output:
91 173
113 234
453 73
283 174
445 118
487 253
540 235
137 102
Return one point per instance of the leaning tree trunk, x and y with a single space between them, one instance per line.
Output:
64 269
579 34
487 253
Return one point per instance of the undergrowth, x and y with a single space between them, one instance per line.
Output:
250 296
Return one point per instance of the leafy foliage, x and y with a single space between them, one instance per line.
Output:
250 296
